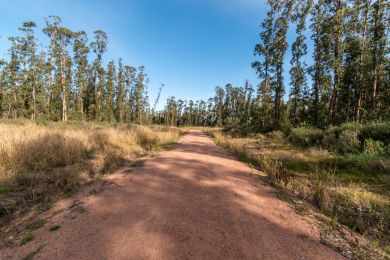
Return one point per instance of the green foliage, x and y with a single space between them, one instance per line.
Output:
306 136
348 141
374 147
27 238
35 225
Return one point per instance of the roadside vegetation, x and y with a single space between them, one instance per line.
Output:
343 171
38 161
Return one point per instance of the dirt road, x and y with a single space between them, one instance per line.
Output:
194 202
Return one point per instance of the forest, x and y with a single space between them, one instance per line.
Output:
348 80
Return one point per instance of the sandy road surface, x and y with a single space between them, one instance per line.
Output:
194 202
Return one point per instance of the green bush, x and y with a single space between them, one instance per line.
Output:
306 136
377 132
330 141
374 147
348 141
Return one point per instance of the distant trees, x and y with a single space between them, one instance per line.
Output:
67 79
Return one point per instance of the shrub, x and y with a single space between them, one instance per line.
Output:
330 141
276 135
274 169
306 136
377 131
374 147
348 141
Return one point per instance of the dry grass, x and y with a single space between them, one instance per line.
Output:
356 198
39 159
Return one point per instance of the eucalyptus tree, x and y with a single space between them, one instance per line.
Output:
379 46
109 94
28 45
219 105
63 64
318 109
3 65
120 92
99 47
11 95
51 29
298 69
263 67
130 79
283 12
139 94
81 52
335 11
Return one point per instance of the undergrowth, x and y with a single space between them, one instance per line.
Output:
351 188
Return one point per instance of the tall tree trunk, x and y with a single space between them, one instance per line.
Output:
374 90
336 75
64 92
81 100
360 87
278 95
34 105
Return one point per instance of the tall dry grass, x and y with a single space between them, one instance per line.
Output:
42 158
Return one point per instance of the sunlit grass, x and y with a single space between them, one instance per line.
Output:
350 187
65 155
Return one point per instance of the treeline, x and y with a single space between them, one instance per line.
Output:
350 77
64 78
349 80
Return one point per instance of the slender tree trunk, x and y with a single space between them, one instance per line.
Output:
374 90
278 95
361 64
81 100
334 96
34 105
64 92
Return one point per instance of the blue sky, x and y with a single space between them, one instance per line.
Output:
189 45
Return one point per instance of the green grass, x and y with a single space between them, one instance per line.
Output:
27 238
31 255
35 225
352 189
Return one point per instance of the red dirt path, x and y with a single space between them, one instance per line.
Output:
194 202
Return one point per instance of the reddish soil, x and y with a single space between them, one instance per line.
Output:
194 202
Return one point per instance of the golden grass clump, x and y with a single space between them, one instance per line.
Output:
64 156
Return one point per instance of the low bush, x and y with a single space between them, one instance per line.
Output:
306 137
376 131
274 169
330 141
374 147
348 141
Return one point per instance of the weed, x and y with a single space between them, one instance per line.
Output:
31 255
54 228
35 225
27 238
